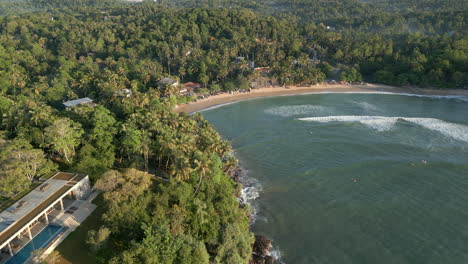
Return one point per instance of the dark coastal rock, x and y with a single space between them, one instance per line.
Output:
269 260
236 175
262 245
261 251
262 260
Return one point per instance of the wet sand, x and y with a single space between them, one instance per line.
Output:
292 90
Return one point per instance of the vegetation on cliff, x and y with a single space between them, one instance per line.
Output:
168 198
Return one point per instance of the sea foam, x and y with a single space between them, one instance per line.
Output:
384 123
293 110
276 254
250 192
368 107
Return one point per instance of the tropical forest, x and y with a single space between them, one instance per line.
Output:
167 194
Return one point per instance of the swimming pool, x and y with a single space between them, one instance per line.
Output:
44 238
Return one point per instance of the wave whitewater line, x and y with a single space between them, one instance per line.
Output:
292 110
384 123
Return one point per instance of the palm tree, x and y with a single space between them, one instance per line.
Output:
182 169
168 145
229 164
145 146
203 166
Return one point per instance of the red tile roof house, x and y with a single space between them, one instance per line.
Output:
262 69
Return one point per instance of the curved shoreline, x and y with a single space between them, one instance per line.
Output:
226 98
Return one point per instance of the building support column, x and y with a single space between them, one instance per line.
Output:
46 218
10 250
61 205
29 233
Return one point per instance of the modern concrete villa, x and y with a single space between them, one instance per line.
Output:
44 217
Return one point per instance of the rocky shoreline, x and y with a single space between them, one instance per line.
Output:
262 244
261 251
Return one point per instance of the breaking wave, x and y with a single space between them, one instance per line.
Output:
248 196
379 123
384 123
276 254
251 190
287 111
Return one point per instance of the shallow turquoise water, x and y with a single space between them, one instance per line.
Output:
356 178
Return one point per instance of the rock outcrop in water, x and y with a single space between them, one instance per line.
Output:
236 174
261 251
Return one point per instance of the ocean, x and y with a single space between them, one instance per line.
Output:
355 178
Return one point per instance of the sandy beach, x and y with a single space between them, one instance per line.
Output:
292 90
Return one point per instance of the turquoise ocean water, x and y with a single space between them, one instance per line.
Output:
355 178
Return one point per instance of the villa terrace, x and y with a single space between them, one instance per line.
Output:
51 206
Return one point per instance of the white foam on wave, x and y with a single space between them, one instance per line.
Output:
384 123
368 107
456 131
293 110
379 123
276 254
250 192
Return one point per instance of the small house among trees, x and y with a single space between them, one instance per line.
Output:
167 82
76 102
262 69
124 93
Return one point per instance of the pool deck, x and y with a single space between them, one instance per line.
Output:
63 200
72 222
68 218
32 211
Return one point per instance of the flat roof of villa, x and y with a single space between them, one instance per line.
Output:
65 176
77 102
16 216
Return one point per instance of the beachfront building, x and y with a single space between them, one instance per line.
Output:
42 217
189 88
